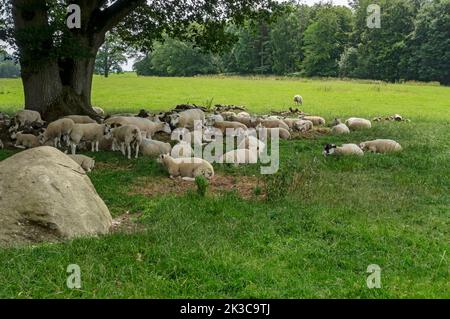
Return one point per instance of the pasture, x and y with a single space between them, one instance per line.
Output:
309 231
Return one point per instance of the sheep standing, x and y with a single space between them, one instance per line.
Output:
129 137
187 168
381 146
147 127
57 131
298 99
88 133
344 150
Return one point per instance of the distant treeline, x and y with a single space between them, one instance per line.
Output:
413 43
8 68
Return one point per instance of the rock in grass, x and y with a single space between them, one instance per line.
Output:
46 196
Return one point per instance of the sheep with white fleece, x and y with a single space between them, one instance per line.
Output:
187 119
355 123
344 150
187 168
86 163
128 137
381 146
24 117
92 133
340 129
57 131
153 148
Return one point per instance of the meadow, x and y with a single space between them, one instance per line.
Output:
310 231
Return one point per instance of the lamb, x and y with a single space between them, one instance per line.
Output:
267 132
24 141
186 119
182 150
317 120
240 156
99 110
86 163
252 143
88 133
24 117
358 124
340 129
152 148
298 99
344 150
129 137
381 146
58 130
225 125
81 119
147 127
187 168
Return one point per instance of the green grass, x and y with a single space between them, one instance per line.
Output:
339 216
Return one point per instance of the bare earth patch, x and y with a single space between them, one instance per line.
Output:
127 223
245 186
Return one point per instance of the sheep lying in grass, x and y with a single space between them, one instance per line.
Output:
227 116
212 118
252 143
182 150
381 146
227 125
57 131
274 123
99 110
340 129
152 148
187 168
247 121
268 132
316 120
24 117
299 125
86 163
92 133
240 156
355 123
186 119
344 150
128 137
24 141
81 119
243 114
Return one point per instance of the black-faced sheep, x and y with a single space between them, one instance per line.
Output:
344 150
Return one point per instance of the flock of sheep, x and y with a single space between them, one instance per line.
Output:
135 134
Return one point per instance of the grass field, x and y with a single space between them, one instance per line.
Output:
313 236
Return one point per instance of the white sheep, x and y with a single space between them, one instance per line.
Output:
212 118
317 120
340 129
299 124
298 99
128 137
147 127
92 133
57 131
186 119
98 110
266 133
81 119
24 141
187 168
183 134
270 123
228 115
86 163
381 146
355 123
240 156
247 121
225 126
182 150
243 114
152 148
24 117
344 150
252 143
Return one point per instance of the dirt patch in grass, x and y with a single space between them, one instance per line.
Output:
247 187
127 223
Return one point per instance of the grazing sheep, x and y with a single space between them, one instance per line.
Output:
355 123
345 150
340 129
129 137
24 141
186 119
187 168
225 125
381 146
152 148
298 99
99 110
57 131
316 120
240 156
182 150
24 117
86 163
81 119
92 133
147 127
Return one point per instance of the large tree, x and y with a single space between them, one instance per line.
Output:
57 63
